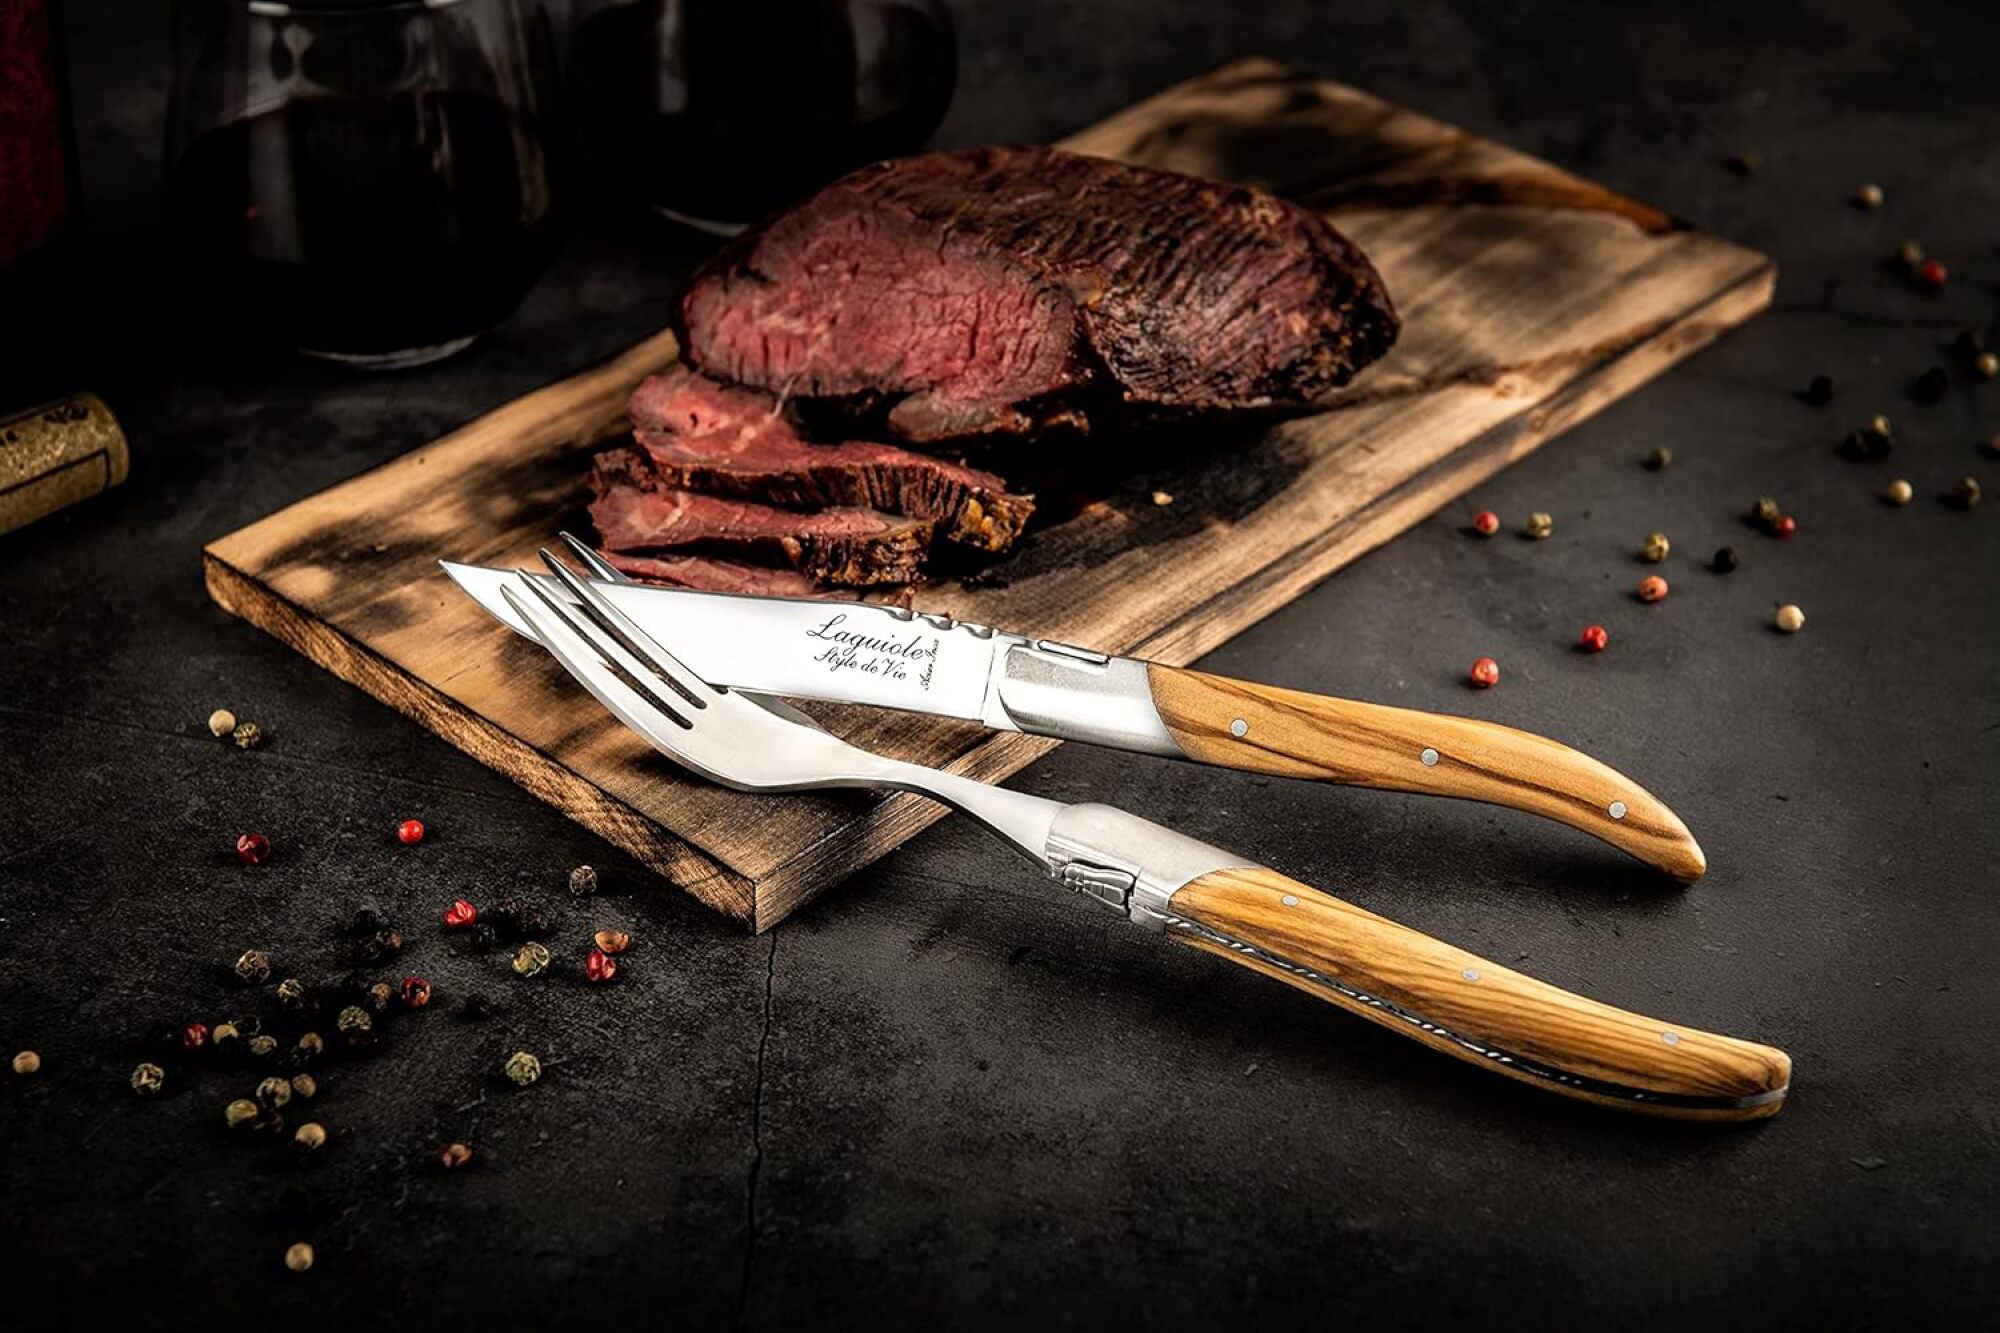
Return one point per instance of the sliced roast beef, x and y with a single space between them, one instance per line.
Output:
724 440
636 511
711 575
987 291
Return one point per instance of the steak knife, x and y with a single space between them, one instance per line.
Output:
887 657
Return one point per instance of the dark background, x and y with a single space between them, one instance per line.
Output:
946 1093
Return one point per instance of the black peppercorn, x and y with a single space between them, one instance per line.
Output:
475 1008
1866 445
1724 560
380 947
1967 346
481 938
366 922
535 923
505 918
1820 392
1931 385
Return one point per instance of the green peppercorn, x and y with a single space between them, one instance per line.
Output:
309 1138
225 1039
292 993
311 1046
240 1114
305 1087
532 959
273 1093
254 966
1910 254
523 1068
148 1079
1659 458
354 1020
262 1046
1539 526
1656 548
582 882
1967 494
299 1257
27 1062
247 735
1766 511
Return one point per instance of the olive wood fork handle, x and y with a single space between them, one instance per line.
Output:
1475 1010
1290 733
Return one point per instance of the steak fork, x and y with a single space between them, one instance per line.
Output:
1196 894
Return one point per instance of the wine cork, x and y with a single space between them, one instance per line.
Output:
57 454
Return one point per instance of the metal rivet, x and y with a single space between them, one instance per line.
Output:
1470 974
1239 728
1290 900
1671 1038
1618 809
1429 756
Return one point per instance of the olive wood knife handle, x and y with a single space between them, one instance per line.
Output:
1262 729
1479 1012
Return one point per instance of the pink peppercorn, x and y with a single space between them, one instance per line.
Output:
1485 673
1594 639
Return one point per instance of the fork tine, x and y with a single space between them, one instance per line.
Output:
579 657
599 567
635 641
635 673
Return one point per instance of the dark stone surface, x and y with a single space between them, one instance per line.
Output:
946 1094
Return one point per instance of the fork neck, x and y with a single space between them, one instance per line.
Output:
1020 820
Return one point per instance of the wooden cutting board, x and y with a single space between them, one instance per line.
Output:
1530 299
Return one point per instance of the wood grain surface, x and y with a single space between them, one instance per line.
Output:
1530 299
1478 1011
1241 724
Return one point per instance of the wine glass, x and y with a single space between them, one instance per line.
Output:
720 111
373 183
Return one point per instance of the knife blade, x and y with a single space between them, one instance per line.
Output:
888 657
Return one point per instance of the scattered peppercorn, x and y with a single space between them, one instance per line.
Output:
1652 588
460 913
27 1062
410 832
148 1079
416 992
481 938
366 922
1486 522
1784 527
1656 548
1724 560
254 966
291 993
1932 274
1539 526
1162 499
225 1038
194 1036
582 882
378 997
505 917
1910 255
262 1046
454 1155
240 1114
247 735
1820 392
1790 619
476 1008
1899 492
309 1138
1485 673
1967 494
253 849
221 722
1658 459
305 1087
534 923
1868 196
1993 443
1746 162
299 1257
1593 639
311 1046
1868 444
273 1093
380 947
1986 365
599 966
1930 386
612 941
1765 512
532 959
523 1068
354 1020
1967 345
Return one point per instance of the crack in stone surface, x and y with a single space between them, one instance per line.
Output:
756 1136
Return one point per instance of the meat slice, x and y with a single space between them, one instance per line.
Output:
636 511
711 575
723 440
990 290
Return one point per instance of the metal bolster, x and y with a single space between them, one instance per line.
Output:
1128 863
1075 694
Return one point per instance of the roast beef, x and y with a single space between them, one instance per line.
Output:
991 290
723 440
636 511
712 575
